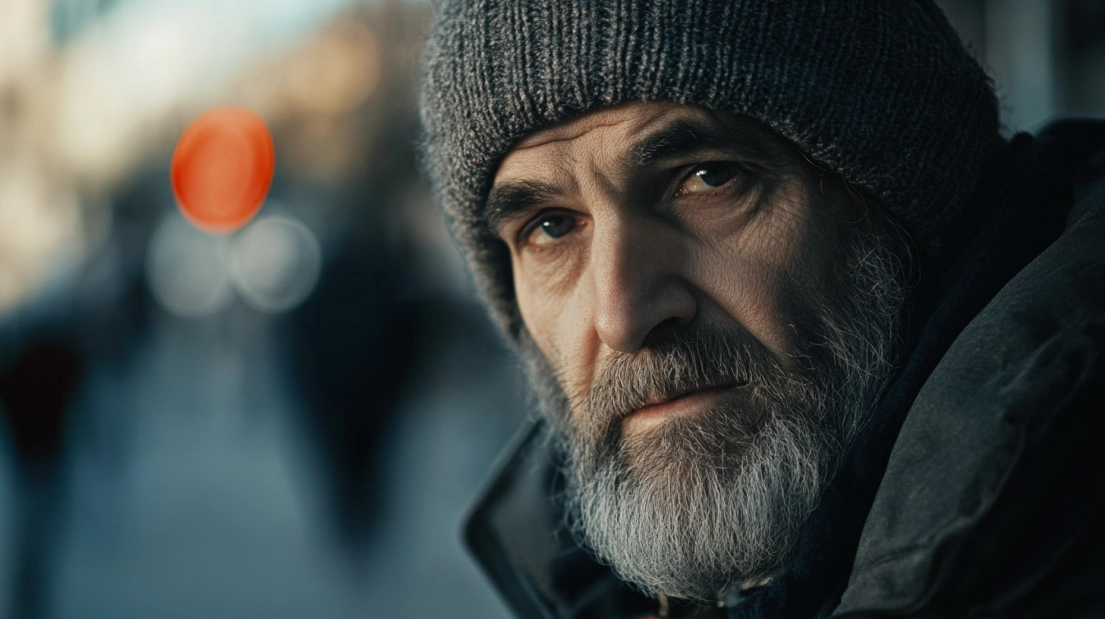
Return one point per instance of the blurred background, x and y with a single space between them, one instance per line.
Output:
289 420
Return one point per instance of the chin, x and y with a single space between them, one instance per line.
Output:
702 500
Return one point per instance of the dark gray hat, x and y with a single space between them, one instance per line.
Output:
880 91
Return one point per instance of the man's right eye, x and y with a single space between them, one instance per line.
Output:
548 228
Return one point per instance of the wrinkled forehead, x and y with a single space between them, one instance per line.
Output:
628 118
607 135
619 138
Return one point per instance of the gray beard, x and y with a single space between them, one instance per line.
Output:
700 504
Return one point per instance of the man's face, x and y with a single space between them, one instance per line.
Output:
717 315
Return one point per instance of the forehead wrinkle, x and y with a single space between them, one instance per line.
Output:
555 134
571 129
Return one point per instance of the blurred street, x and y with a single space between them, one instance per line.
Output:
187 489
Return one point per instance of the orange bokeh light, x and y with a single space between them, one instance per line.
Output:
222 168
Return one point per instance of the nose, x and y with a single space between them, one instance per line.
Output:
641 288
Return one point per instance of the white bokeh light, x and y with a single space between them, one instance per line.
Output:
275 263
187 269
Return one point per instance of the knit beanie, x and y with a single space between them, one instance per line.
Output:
881 92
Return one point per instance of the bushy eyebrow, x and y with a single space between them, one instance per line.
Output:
688 137
674 141
511 199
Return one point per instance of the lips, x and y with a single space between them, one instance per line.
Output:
656 402
661 398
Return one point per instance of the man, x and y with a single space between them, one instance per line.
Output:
807 336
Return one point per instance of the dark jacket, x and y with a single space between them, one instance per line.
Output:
978 489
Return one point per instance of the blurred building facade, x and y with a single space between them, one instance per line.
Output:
1047 57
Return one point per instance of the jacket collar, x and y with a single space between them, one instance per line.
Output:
989 403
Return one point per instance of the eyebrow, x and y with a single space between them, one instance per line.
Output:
687 137
510 199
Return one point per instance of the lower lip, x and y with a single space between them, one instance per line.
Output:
653 414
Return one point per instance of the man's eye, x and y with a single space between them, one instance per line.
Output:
549 228
708 176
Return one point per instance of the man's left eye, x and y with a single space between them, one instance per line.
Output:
707 177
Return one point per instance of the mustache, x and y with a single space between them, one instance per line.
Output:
695 358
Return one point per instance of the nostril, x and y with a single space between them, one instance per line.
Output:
668 324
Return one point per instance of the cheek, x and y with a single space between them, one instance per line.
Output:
748 273
556 317
536 308
748 290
